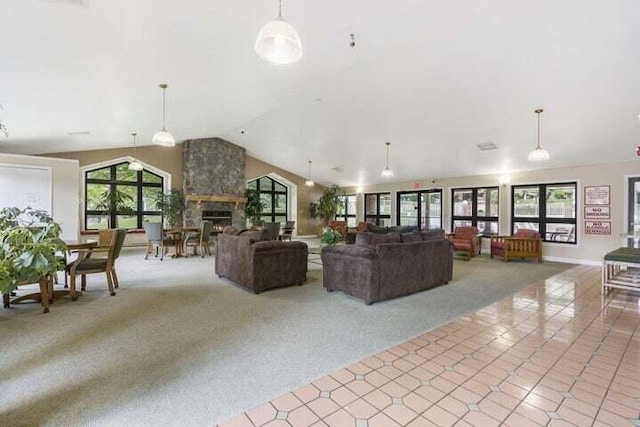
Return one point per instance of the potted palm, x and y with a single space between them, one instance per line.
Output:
171 204
30 248
254 207
329 203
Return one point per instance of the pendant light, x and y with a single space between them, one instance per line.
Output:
387 173
278 41
135 165
163 137
539 154
308 182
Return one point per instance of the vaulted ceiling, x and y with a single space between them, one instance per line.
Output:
433 77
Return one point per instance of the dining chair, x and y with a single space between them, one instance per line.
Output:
89 262
156 237
273 228
201 240
287 230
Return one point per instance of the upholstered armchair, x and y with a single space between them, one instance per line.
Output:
339 226
465 241
523 244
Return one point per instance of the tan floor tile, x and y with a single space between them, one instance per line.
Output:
381 420
612 419
287 402
443 384
478 419
541 403
302 417
361 409
262 414
421 374
503 399
323 406
440 417
343 396
532 413
277 423
574 417
378 399
494 410
476 387
517 420
421 422
466 396
326 384
390 371
408 381
360 368
400 414
453 405
394 389
376 379
340 418
344 376
307 393
430 393
416 402
617 408
360 387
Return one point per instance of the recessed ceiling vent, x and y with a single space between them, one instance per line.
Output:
487 146
337 169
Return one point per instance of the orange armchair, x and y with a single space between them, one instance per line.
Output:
465 240
523 244
339 226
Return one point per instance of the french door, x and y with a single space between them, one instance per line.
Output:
420 208
633 230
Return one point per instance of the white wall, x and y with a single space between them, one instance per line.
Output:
66 187
590 249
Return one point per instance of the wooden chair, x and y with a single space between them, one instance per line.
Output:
156 238
201 240
465 241
287 231
340 227
523 244
89 262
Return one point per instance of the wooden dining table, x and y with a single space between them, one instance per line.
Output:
179 234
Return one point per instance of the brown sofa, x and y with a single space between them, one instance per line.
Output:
257 263
384 266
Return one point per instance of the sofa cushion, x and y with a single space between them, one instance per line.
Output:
435 234
255 235
371 239
526 233
413 236
371 228
402 229
230 229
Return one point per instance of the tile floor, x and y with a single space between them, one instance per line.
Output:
555 354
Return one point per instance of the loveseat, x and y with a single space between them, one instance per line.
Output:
257 263
383 266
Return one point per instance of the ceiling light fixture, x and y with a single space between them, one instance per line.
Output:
309 182
387 173
163 137
278 41
135 165
539 154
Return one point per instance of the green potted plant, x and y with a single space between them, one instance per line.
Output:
330 237
254 207
30 248
329 203
171 204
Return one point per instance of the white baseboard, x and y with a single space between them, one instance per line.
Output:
572 260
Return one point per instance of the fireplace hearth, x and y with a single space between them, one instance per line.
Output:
219 219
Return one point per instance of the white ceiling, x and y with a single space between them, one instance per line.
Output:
433 77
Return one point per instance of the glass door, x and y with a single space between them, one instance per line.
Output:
420 208
633 239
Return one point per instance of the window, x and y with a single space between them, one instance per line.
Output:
477 207
274 197
118 197
347 211
549 209
420 208
377 208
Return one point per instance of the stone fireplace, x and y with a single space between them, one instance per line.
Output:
213 179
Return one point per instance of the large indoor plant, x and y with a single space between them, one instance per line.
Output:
329 203
171 204
30 247
254 207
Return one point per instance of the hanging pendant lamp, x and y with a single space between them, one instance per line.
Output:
539 154
278 41
135 165
387 173
163 137
309 182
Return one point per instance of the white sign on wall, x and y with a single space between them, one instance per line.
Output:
596 212
600 228
596 195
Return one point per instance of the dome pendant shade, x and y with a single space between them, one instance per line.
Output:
539 154
135 165
163 138
279 42
387 173
309 182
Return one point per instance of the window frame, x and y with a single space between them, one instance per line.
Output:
273 192
347 214
375 217
419 194
112 182
542 220
474 217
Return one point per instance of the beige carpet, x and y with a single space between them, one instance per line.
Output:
178 346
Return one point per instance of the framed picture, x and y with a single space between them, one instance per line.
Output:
596 212
599 228
596 195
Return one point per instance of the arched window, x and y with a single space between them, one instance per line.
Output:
118 197
274 197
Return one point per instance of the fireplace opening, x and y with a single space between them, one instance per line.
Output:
219 219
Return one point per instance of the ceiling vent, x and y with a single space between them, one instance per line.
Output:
337 169
487 146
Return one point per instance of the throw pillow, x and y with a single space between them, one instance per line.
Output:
256 235
364 239
435 234
413 236
386 238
